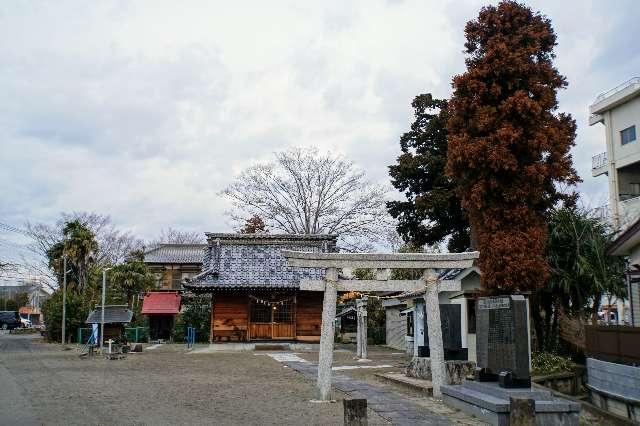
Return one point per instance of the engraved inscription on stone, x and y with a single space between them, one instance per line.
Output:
494 303
502 338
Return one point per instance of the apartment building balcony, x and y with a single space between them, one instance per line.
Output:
599 164
612 98
628 212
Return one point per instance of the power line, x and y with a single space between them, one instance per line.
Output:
11 228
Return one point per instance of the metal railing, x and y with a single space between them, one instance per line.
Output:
601 212
137 334
599 160
631 82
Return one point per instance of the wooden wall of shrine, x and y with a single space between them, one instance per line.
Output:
241 316
309 316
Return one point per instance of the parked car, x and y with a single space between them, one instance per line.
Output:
9 320
26 323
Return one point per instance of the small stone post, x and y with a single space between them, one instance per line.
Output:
361 310
327 334
522 411
355 412
358 331
432 305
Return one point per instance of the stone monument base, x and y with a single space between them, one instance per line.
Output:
491 403
457 371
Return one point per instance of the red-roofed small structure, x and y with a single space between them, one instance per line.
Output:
161 307
161 302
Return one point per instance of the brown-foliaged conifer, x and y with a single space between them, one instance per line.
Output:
509 151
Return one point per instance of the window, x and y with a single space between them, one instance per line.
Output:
628 135
283 312
260 312
176 279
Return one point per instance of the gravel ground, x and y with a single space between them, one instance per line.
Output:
41 384
45 385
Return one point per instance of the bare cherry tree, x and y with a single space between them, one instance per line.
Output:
175 236
306 192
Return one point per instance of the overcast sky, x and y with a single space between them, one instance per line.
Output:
146 110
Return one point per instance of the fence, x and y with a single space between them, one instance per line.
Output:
137 334
619 344
83 335
133 334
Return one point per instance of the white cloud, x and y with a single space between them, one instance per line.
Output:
146 110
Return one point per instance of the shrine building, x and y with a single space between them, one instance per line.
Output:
256 295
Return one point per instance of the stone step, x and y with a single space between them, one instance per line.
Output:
492 388
419 385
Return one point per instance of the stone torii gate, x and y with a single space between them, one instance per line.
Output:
381 263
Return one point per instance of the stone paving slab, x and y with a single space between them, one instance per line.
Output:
396 408
419 385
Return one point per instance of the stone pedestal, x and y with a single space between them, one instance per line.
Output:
455 371
492 403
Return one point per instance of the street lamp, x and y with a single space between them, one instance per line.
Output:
104 294
64 299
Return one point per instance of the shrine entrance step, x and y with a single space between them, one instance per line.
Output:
411 383
271 347
257 346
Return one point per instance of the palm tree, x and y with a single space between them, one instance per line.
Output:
581 272
80 247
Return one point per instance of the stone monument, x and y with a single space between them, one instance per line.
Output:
502 341
502 375
451 326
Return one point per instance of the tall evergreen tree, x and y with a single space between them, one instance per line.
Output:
80 247
432 211
509 152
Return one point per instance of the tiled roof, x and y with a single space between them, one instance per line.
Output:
345 311
256 261
212 236
443 274
175 253
449 274
118 314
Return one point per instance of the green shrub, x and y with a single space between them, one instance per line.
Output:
77 311
196 313
543 363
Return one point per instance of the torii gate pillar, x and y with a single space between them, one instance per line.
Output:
436 349
327 334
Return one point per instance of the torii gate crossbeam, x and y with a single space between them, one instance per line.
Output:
332 262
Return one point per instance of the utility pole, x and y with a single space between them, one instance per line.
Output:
104 294
64 300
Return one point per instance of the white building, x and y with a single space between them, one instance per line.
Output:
619 111
405 314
